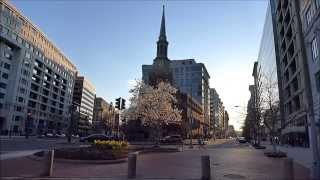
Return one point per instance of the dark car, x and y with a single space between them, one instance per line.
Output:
91 138
172 139
242 140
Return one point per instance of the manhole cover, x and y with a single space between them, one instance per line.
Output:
234 176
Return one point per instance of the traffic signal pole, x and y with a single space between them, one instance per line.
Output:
120 105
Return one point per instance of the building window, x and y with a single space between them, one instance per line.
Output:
3 85
309 14
19 40
8 56
28 55
5 75
27 45
5 30
7 66
314 49
20 99
23 81
17 118
14 36
318 81
9 47
19 108
2 95
22 90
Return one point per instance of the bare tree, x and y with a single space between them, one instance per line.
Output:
270 105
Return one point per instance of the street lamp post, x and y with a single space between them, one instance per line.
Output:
27 123
100 124
191 119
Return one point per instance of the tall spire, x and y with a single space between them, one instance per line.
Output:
162 44
161 64
162 35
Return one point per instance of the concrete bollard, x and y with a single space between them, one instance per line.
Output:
132 165
205 168
49 163
288 169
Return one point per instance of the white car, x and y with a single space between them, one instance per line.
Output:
242 140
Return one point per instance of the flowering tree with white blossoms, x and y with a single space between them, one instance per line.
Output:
155 106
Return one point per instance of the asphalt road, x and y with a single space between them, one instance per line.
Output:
15 144
21 144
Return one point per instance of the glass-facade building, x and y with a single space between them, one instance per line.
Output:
267 65
189 77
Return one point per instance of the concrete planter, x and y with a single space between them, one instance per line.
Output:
75 161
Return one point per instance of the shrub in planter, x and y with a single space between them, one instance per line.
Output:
111 145
257 146
100 150
278 154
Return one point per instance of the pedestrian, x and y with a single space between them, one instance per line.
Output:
201 143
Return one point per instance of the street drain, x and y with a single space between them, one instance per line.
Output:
234 176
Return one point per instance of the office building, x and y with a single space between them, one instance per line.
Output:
310 20
36 83
268 59
217 114
295 83
193 124
103 116
192 78
84 96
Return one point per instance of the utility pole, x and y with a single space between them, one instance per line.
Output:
74 107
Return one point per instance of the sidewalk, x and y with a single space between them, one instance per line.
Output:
301 155
17 154
243 162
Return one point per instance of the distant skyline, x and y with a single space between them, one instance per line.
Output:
108 41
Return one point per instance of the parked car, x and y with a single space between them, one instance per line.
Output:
51 135
61 135
91 138
242 140
172 139
75 136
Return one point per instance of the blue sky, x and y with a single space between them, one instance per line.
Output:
108 41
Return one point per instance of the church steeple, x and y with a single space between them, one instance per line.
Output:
162 35
161 64
162 44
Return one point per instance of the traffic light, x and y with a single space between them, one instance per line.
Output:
118 103
123 104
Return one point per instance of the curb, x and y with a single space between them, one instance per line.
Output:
74 161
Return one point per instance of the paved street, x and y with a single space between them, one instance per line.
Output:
19 146
229 160
33 143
